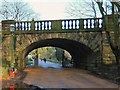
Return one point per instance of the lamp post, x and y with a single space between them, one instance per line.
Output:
12 28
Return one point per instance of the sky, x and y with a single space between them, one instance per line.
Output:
50 9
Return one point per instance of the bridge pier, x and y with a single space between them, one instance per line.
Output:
20 62
107 54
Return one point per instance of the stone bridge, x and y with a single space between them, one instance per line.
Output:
82 38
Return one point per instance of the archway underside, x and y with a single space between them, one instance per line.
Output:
78 51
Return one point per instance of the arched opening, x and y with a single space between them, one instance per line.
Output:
53 57
78 51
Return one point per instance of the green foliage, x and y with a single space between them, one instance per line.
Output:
47 52
59 54
28 62
52 54
5 72
54 60
5 63
3 38
5 68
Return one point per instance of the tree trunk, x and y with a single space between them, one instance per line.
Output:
36 61
115 50
117 55
118 64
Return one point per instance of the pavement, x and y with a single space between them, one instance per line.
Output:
48 64
64 78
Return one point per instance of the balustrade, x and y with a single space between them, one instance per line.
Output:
70 24
23 26
42 25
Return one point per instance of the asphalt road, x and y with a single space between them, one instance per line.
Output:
64 78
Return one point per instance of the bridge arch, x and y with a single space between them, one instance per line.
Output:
84 47
78 51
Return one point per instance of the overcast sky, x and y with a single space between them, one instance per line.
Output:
50 9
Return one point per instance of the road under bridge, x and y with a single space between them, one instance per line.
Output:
64 78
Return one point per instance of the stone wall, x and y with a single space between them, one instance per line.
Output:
95 41
6 48
91 40
108 56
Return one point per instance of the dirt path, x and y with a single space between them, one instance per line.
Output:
64 78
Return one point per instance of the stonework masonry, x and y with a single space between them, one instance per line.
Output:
96 41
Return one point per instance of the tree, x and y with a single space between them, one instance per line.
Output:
16 10
105 8
59 54
114 44
80 9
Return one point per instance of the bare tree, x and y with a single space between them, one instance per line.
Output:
108 7
114 44
83 8
16 10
